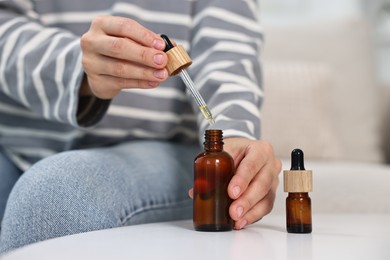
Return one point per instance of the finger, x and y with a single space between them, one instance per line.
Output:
125 49
107 87
256 191
128 28
262 208
257 212
122 83
256 156
122 48
246 171
191 193
122 69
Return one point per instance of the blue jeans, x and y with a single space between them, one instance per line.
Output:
101 188
9 174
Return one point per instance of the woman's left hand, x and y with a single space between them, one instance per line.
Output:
256 179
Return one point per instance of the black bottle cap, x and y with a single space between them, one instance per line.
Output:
168 43
297 160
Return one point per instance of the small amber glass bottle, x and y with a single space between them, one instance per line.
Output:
213 170
298 182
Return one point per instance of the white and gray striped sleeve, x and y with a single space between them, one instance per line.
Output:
40 67
225 49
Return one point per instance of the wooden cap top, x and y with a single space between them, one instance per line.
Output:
178 59
298 181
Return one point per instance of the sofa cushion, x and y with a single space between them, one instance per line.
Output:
296 109
343 187
339 90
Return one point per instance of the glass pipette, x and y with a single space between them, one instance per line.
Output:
179 64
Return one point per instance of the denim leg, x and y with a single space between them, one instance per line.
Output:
9 174
85 190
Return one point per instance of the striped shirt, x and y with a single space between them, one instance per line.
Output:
41 71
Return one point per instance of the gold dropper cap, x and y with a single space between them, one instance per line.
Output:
297 179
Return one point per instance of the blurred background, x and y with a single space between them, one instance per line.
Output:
327 78
326 68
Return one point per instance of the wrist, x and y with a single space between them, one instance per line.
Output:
85 90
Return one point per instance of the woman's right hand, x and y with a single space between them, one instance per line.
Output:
120 53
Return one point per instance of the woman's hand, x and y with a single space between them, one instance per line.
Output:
120 53
256 179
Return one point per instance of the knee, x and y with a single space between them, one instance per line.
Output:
56 197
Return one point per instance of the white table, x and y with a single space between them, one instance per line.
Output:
334 237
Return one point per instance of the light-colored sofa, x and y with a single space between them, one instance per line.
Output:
322 97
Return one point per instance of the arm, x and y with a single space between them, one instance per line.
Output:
226 50
59 77
40 68
230 80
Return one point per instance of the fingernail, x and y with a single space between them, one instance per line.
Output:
158 59
161 74
236 191
243 224
159 44
240 210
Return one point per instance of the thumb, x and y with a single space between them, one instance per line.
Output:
191 193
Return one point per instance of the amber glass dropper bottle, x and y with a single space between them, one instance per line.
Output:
298 182
213 170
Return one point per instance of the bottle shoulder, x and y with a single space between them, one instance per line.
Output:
214 154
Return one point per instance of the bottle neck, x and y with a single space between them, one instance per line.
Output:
213 140
298 194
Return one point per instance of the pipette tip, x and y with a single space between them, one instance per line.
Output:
207 114
211 121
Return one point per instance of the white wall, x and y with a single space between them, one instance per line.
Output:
379 12
305 11
278 11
